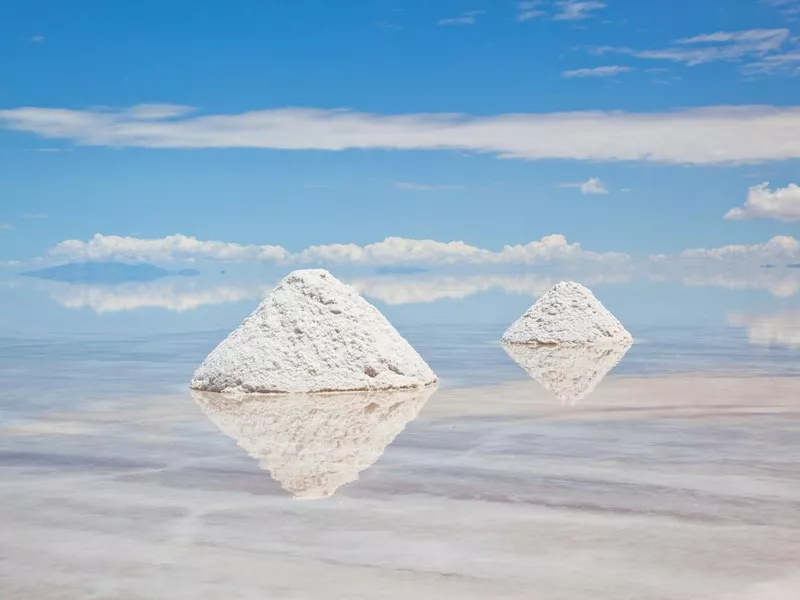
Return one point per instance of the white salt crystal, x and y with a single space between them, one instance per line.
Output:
567 314
569 372
313 333
314 444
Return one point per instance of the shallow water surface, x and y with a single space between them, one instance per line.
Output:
670 475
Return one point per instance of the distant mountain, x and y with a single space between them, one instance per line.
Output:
106 272
400 270
793 266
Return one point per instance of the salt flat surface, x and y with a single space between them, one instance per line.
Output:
567 314
313 333
661 488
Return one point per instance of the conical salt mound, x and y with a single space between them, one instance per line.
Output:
569 372
314 444
313 334
567 314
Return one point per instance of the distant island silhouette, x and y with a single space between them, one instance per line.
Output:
107 273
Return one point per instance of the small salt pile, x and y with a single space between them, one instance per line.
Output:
313 444
313 334
568 314
569 372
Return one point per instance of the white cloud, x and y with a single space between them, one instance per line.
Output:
734 46
422 187
762 203
172 247
712 135
5 226
608 71
591 186
37 39
391 251
781 329
573 10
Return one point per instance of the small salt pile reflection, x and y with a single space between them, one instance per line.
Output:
569 372
314 444
568 341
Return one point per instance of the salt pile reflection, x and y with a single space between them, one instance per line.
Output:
570 372
314 444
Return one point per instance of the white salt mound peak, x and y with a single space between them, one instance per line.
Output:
314 444
569 372
312 334
567 314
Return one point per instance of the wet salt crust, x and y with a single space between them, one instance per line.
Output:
313 334
568 314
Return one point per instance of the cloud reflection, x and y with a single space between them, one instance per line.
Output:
168 296
781 329
394 290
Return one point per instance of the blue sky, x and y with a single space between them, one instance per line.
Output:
653 171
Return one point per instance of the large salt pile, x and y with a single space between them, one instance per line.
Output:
313 334
569 372
568 314
314 444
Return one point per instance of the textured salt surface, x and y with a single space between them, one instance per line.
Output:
570 372
313 333
567 314
314 444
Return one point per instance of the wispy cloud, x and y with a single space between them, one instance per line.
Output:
391 251
466 18
608 71
422 187
530 10
574 10
33 216
591 186
710 135
731 46
36 39
783 204
5 226
559 10
786 7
